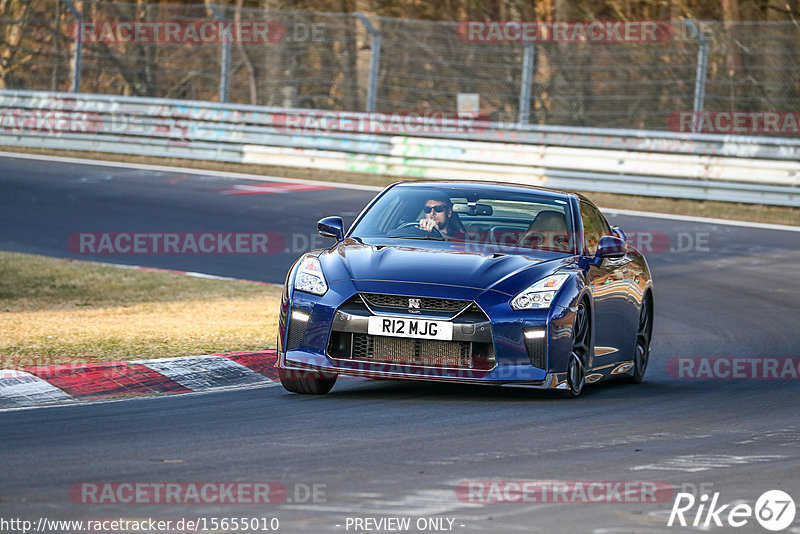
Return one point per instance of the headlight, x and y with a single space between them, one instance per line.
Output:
541 294
309 277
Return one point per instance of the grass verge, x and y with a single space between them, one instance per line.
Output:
55 311
699 208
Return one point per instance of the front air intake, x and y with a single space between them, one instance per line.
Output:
536 345
298 323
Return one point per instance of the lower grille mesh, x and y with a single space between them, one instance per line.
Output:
297 331
407 351
537 351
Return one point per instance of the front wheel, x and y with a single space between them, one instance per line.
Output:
306 382
581 348
641 352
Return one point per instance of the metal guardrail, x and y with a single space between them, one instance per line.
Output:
700 166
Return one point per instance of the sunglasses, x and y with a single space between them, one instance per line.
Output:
438 208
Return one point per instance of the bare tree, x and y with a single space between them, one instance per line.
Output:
14 19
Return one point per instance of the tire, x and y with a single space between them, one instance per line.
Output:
581 349
641 351
306 382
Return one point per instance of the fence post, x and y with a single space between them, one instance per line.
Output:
374 59
225 59
700 76
78 53
528 62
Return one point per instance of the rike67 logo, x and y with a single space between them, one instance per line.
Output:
774 510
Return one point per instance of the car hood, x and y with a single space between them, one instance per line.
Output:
508 273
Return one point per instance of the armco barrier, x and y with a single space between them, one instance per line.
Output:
700 166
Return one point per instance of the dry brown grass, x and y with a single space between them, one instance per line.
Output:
60 311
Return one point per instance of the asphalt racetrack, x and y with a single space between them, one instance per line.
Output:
381 449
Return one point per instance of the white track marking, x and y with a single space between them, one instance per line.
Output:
339 185
420 503
182 273
73 402
785 437
200 373
18 389
694 463
164 168
704 220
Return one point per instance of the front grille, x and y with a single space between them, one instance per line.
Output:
297 331
426 304
472 347
537 351
415 352
422 352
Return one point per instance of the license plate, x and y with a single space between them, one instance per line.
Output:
406 327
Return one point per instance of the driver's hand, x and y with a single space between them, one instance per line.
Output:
427 224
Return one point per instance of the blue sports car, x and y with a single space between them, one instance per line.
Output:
468 282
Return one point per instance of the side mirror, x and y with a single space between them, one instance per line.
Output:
619 233
610 247
331 227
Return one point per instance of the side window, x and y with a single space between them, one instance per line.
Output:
594 226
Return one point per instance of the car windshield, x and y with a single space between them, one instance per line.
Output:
478 219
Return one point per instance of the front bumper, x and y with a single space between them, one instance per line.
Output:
501 329
293 361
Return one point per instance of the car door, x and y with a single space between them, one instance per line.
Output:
614 316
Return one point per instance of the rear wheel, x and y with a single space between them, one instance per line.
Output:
581 348
641 352
306 382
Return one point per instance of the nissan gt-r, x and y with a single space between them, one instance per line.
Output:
470 282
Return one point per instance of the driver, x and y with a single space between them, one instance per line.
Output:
439 214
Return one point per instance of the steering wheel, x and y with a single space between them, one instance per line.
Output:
409 224
537 240
561 241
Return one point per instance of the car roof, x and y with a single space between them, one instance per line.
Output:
491 186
